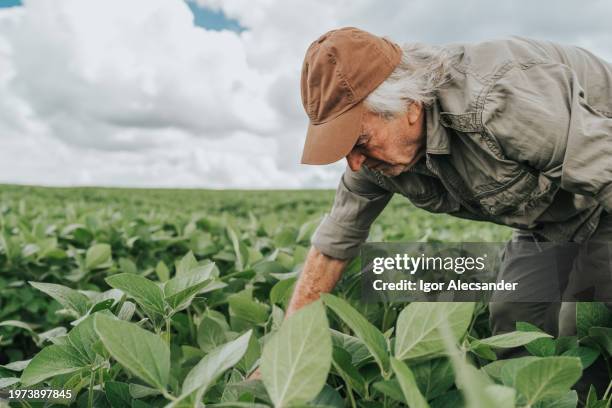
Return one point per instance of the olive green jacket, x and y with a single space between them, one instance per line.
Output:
521 136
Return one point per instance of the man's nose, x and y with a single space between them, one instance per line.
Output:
355 160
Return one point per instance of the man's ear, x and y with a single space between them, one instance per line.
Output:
414 112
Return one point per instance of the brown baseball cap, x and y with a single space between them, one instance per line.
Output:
340 69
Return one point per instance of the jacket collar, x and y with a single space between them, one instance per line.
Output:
437 137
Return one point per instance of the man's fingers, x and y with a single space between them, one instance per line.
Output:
255 375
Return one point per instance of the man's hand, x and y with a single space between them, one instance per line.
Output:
255 375
319 275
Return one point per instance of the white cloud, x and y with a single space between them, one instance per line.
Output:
132 93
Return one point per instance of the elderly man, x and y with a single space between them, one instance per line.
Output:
516 132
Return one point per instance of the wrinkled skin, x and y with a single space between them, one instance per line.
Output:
390 145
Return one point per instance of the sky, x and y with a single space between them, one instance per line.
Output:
205 93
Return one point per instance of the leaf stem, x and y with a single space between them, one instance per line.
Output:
472 322
192 333
606 394
168 396
230 275
168 330
349 391
384 319
92 377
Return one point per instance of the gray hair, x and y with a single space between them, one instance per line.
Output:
423 69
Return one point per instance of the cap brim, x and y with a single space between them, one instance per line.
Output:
331 141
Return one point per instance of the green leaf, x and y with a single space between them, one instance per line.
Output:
67 297
118 394
189 352
231 393
16 365
434 377
208 370
103 304
547 377
512 339
417 334
139 404
51 361
145 292
544 347
327 398
162 271
180 290
453 398
296 359
511 367
98 400
483 351
212 332
501 396
251 390
127 311
243 306
564 343
141 352
494 369
603 337
354 346
186 264
240 250
586 355
142 391
251 356
474 384
6 382
285 260
82 338
344 366
591 400
286 237
281 291
591 314
22 325
370 335
278 316
568 400
77 353
306 230
98 256
406 380
272 268
390 388
127 265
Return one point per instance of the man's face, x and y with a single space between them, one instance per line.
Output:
390 145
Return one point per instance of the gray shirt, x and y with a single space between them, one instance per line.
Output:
521 136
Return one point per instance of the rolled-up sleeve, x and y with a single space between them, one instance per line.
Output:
540 116
357 203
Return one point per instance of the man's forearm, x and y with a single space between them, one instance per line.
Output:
319 275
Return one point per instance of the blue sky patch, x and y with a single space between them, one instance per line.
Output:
203 16
212 19
10 3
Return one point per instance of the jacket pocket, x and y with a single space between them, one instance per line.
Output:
523 192
442 203
423 191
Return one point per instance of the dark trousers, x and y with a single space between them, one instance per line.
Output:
550 269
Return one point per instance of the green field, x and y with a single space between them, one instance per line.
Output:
136 298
